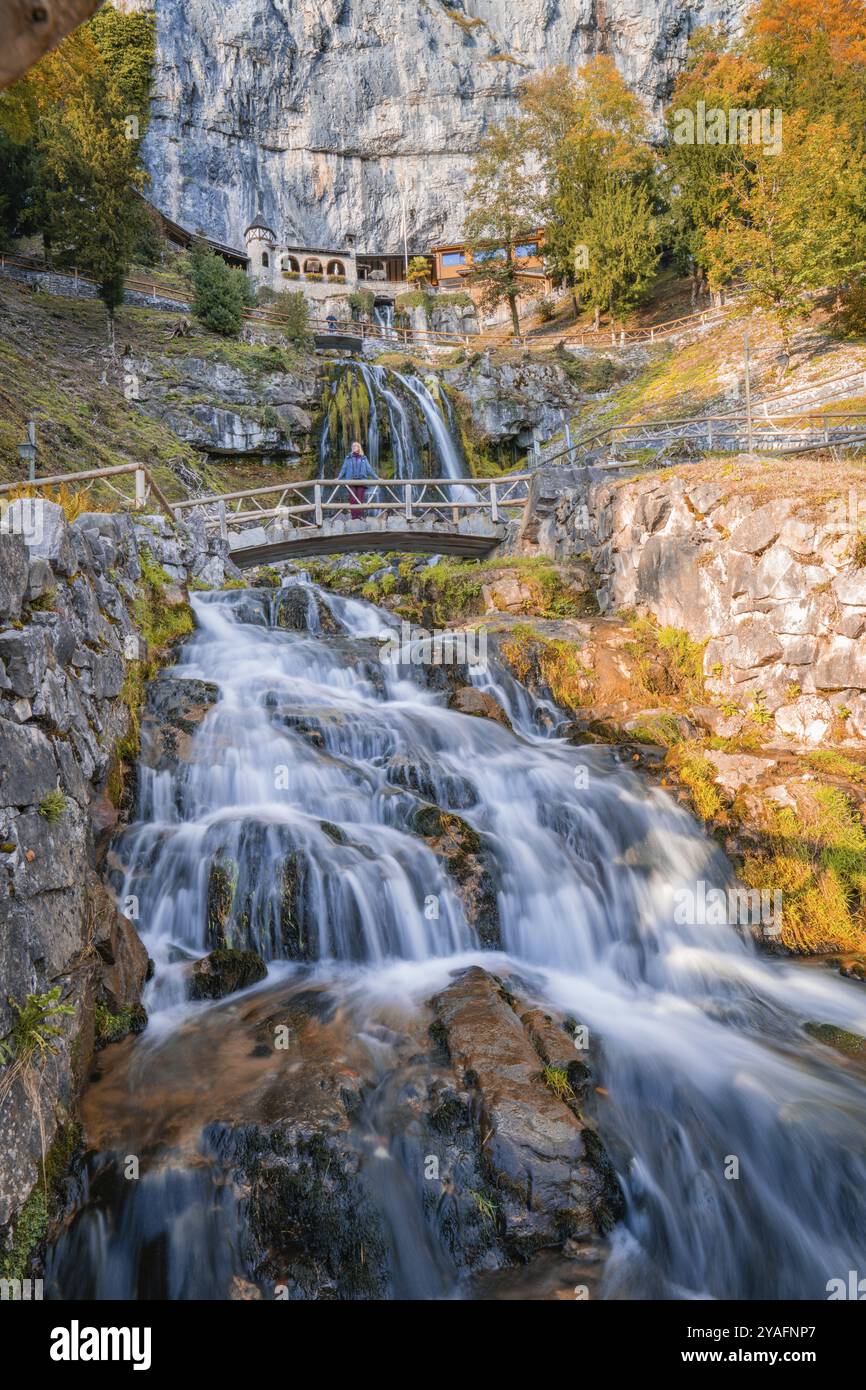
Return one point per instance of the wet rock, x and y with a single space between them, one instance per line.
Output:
124 958
545 1163
223 972
470 700
298 609
314 1233
222 880
468 862
174 709
444 789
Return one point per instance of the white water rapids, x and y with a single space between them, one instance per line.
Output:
703 1052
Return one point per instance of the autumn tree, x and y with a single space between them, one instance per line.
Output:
584 130
418 273
792 223
696 171
503 210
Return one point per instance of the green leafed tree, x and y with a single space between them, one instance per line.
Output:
621 241
503 211
220 293
80 115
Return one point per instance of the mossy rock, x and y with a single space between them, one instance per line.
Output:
110 1027
224 972
849 1044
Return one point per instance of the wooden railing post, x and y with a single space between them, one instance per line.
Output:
140 489
221 512
317 498
407 498
494 505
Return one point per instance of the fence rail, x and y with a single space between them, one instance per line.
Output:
144 484
405 337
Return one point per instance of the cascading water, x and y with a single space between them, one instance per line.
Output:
383 314
399 415
294 786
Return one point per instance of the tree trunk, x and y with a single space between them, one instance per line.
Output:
515 317
597 323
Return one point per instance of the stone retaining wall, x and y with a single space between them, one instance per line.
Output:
774 585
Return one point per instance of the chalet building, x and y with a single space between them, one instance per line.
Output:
452 263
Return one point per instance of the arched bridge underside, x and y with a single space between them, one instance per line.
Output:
434 516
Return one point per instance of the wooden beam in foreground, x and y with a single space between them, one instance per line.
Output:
30 28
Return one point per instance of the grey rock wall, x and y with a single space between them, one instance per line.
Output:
219 408
321 111
67 638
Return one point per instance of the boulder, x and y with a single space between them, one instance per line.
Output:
756 532
224 972
807 719
28 770
468 699
25 656
842 666
40 524
546 1165
737 770
756 645
13 574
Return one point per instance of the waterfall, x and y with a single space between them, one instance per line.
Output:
383 314
405 421
292 800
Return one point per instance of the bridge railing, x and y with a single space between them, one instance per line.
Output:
803 432
312 503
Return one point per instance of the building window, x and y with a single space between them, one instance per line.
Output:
527 251
291 263
497 254
336 268
265 259
454 258
312 267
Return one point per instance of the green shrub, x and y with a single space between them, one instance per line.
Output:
220 294
52 806
362 302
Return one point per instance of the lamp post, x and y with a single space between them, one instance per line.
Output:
27 451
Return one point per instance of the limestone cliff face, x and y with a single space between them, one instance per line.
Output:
323 110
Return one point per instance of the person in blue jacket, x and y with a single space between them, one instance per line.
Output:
356 466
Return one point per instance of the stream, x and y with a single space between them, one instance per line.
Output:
305 777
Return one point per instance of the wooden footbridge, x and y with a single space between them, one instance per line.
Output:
437 516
